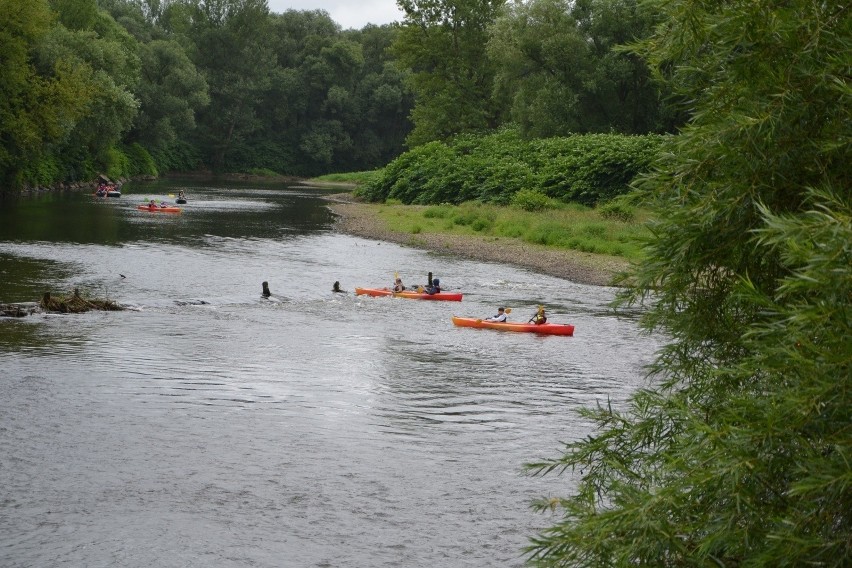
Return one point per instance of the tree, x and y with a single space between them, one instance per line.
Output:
542 62
559 69
231 40
740 454
443 43
171 92
40 101
108 56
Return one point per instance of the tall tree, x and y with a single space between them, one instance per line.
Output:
232 49
443 42
65 93
740 456
559 68
384 102
111 57
542 64
171 92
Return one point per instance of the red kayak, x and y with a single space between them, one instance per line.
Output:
158 209
542 329
410 294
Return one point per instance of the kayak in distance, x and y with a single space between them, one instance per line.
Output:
541 329
158 208
409 294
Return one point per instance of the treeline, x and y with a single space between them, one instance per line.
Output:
142 87
130 87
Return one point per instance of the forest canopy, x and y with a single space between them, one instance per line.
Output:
144 87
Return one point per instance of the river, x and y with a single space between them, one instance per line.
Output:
208 426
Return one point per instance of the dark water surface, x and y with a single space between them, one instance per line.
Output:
313 429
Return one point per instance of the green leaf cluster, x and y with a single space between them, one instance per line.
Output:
739 451
495 167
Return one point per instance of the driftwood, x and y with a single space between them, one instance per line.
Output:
76 304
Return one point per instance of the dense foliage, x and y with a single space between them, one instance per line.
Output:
129 87
495 168
741 455
559 72
443 43
149 86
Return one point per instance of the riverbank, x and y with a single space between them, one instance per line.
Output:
362 219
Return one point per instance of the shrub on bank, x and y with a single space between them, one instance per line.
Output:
494 168
532 200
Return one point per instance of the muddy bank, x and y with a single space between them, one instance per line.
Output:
360 219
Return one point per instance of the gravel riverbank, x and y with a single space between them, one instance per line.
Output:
361 219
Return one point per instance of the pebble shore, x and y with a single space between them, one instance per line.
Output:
360 219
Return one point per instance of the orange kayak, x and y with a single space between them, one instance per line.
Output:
158 209
410 294
542 329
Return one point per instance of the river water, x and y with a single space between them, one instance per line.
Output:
208 426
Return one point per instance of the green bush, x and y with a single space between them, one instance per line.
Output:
116 163
481 224
43 172
141 162
592 168
531 200
594 230
495 167
617 210
438 212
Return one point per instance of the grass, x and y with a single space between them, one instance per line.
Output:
570 226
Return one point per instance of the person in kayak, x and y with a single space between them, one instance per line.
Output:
398 286
500 317
539 317
434 287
